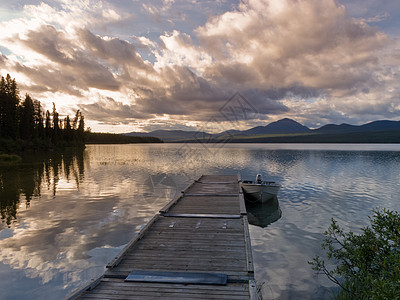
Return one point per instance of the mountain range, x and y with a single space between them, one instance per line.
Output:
284 129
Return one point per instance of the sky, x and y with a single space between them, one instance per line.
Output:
206 65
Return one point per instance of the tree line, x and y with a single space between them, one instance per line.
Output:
25 125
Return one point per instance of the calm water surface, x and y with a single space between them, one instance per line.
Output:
65 216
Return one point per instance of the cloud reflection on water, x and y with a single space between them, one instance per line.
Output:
71 215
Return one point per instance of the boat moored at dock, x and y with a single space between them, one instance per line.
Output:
259 190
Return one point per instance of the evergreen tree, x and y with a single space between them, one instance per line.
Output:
38 119
67 129
2 85
76 120
48 129
56 127
12 107
9 103
27 121
3 100
81 127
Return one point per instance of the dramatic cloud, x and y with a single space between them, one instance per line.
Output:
316 61
308 43
110 111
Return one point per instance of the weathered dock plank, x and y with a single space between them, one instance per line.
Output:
213 189
118 287
207 205
202 231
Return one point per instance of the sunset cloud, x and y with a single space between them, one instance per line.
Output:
111 111
317 61
309 43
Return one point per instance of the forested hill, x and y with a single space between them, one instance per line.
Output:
112 138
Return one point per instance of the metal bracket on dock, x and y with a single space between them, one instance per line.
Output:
177 277
215 216
253 290
211 195
220 182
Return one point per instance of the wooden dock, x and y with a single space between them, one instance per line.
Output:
196 247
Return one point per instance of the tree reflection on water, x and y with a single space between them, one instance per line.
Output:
20 184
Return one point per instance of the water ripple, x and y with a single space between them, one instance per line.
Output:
65 217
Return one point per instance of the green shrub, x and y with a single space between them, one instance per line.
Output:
367 264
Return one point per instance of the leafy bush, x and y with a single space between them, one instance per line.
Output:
367 264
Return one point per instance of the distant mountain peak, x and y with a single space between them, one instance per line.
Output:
281 126
287 119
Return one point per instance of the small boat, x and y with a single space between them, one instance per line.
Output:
259 190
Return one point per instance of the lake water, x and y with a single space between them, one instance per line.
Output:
65 216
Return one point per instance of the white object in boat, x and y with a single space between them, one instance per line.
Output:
259 190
